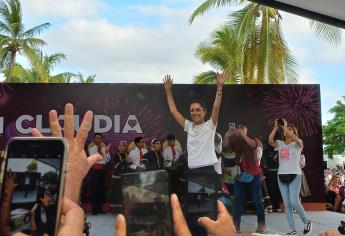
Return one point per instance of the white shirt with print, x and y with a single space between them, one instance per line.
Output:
289 155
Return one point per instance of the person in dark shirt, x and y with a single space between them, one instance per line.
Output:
270 164
154 157
120 163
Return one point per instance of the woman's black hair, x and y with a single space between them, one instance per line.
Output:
202 104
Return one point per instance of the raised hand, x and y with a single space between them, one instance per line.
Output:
108 147
10 182
285 123
78 162
222 77
168 81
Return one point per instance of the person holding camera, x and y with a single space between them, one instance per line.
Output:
289 173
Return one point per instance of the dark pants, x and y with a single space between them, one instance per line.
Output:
255 190
273 188
98 190
115 190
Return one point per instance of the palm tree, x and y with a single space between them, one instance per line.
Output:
13 36
266 57
222 54
89 79
41 69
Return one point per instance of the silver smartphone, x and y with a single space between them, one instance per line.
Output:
32 185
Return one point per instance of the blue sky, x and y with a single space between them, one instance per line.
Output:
140 41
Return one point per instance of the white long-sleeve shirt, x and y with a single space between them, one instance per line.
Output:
168 154
134 156
106 155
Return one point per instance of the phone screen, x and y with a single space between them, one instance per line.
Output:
201 199
32 185
146 203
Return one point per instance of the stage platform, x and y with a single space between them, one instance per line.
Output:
103 224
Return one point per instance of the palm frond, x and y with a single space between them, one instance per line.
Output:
208 4
328 33
208 77
62 78
36 30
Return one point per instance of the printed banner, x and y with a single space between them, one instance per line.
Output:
126 111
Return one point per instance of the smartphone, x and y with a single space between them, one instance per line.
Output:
146 203
33 185
200 199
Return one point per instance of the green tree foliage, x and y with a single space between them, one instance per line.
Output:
14 38
255 39
50 177
88 80
334 131
41 69
32 167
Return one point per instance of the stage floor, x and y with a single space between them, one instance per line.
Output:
103 224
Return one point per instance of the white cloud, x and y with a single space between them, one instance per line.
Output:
307 76
306 46
62 8
133 53
161 11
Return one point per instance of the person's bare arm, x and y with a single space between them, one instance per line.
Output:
271 140
171 103
293 136
10 185
217 101
250 142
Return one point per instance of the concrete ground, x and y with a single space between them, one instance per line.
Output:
104 224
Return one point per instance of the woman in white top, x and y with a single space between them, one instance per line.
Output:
289 173
201 133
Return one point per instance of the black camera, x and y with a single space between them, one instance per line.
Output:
280 122
341 227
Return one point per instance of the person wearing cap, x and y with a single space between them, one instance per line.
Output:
200 133
137 154
172 152
154 157
98 173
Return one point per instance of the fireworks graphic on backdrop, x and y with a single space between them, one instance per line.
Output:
149 120
297 104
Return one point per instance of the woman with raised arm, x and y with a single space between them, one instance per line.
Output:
289 173
201 133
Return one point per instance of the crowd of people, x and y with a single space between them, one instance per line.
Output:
335 189
242 153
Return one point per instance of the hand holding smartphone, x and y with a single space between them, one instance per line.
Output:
33 186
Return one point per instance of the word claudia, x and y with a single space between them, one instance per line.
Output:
101 124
